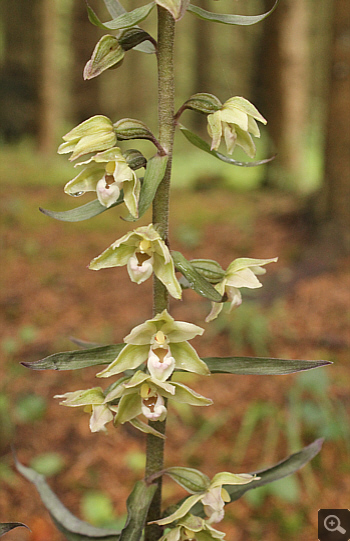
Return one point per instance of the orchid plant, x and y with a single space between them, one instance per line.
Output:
143 369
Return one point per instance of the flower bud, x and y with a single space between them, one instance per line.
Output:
107 54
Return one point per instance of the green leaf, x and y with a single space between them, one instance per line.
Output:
137 506
124 20
8 526
74 360
196 280
73 528
203 145
115 10
229 19
154 175
282 469
259 366
89 210
188 478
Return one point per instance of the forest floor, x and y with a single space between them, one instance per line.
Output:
48 295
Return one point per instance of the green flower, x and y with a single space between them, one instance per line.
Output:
162 343
107 173
144 252
142 394
236 121
94 402
240 273
96 133
213 498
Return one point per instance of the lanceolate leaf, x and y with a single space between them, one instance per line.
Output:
124 20
154 175
203 145
8 526
196 280
137 505
229 19
259 366
89 210
282 469
74 360
72 527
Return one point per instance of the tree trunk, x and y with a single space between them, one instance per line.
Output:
334 203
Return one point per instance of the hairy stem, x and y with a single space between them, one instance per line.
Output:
160 218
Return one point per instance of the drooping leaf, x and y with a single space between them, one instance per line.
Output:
78 214
137 505
196 280
124 20
115 10
74 360
154 175
229 19
72 527
203 145
8 526
259 366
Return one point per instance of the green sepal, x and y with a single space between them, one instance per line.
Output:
203 145
84 212
185 395
134 158
188 478
147 429
124 20
8 526
132 37
154 175
259 366
210 269
137 506
241 20
131 357
197 282
186 358
74 360
130 128
203 103
129 407
108 53
72 527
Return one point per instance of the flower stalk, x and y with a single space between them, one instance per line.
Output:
160 218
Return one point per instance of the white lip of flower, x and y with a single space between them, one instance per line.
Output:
214 503
241 272
107 173
160 362
236 121
153 407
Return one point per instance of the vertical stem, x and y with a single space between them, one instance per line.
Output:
166 34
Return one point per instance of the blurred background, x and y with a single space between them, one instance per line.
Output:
295 67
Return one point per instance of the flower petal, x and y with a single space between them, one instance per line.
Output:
186 358
130 357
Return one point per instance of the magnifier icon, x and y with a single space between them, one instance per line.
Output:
332 524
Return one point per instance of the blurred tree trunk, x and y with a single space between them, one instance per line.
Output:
282 83
333 206
20 77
